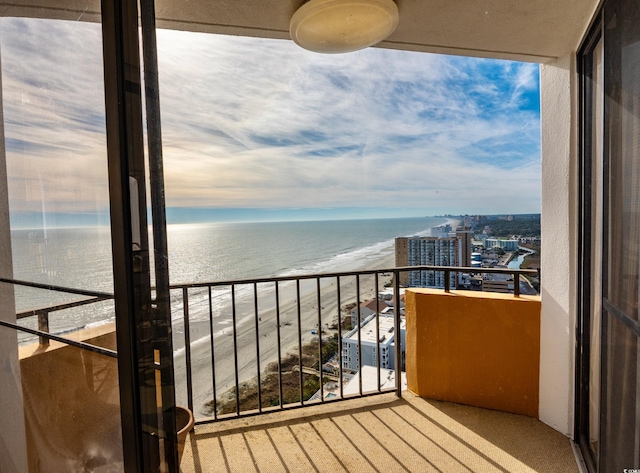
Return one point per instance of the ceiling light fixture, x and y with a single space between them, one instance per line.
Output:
341 26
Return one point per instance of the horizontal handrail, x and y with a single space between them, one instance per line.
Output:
457 269
101 296
43 312
51 287
66 305
66 341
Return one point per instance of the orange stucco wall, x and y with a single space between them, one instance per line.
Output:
475 348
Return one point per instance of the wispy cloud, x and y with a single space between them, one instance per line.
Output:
261 123
402 129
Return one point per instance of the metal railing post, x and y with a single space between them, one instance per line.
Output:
279 345
397 336
359 326
235 345
298 312
318 289
257 319
376 288
340 349
187 346
43 326
516 284
213 357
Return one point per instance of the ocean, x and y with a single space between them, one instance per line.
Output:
81 257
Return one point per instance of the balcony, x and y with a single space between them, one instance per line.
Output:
375 426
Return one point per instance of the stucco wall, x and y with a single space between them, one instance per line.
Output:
559 255
476 348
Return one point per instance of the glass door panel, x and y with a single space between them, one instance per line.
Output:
56 259
620 434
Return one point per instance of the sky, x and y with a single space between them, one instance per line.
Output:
254 128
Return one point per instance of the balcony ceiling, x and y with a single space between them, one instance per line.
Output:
531 30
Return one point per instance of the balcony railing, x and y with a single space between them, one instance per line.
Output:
238 329
323 287
42 313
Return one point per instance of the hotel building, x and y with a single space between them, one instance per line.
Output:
431 251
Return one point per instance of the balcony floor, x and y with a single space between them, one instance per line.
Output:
381 433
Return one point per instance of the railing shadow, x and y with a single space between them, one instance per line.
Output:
385 433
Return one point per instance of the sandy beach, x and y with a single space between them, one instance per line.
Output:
267 333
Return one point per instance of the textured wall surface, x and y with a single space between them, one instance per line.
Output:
476 348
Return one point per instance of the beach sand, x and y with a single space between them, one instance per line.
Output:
267 339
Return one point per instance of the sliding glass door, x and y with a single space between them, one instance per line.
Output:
591 223
86 358
608 353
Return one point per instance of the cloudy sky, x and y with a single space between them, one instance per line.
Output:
264 125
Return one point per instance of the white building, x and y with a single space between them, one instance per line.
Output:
374 344
507 245
441 232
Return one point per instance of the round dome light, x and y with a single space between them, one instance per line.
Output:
341 26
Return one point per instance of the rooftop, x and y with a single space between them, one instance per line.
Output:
370 380
368 332
372 304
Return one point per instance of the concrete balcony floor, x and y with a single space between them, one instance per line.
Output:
381 433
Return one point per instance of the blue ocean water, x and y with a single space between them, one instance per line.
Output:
81 257
225 251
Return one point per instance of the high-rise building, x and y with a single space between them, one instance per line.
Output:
417 251
464 237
